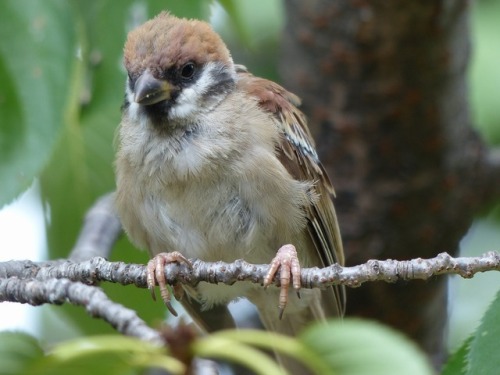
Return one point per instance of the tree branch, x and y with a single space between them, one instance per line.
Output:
98 269
95 301
100 230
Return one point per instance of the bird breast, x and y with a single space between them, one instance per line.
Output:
214 190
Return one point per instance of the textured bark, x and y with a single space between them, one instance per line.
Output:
383 84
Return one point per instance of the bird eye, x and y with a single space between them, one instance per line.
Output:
187 71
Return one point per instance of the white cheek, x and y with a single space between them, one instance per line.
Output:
186 105
129 93
133 110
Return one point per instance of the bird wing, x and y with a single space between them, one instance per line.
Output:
297 153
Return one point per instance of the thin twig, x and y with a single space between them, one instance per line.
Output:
101 228
98 269
95 301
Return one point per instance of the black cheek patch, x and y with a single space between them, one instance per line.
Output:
158 112
225 82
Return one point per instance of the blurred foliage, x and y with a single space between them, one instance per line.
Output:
484 72
349 347
38 75
469 298
252 30
18 351
358 347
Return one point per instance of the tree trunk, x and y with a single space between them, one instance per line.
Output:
384 86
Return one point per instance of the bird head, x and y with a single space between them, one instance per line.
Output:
177 69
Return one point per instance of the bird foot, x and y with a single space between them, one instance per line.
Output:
287 262
155 274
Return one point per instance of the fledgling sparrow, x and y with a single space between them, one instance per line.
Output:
216 164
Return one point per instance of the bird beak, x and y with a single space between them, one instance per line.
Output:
149 90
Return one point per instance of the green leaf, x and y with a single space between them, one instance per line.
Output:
254 21
229 347
237 20
109 355
484 352
251 30
357 347
38 56
270 341
457 363
17 352
485 78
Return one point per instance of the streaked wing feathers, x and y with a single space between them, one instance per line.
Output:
298 155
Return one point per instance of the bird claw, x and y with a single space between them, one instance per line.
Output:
287 261
155 274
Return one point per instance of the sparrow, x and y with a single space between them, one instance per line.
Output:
216 164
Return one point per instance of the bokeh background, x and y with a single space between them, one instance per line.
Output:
61 87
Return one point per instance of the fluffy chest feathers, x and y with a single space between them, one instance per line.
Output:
213 189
